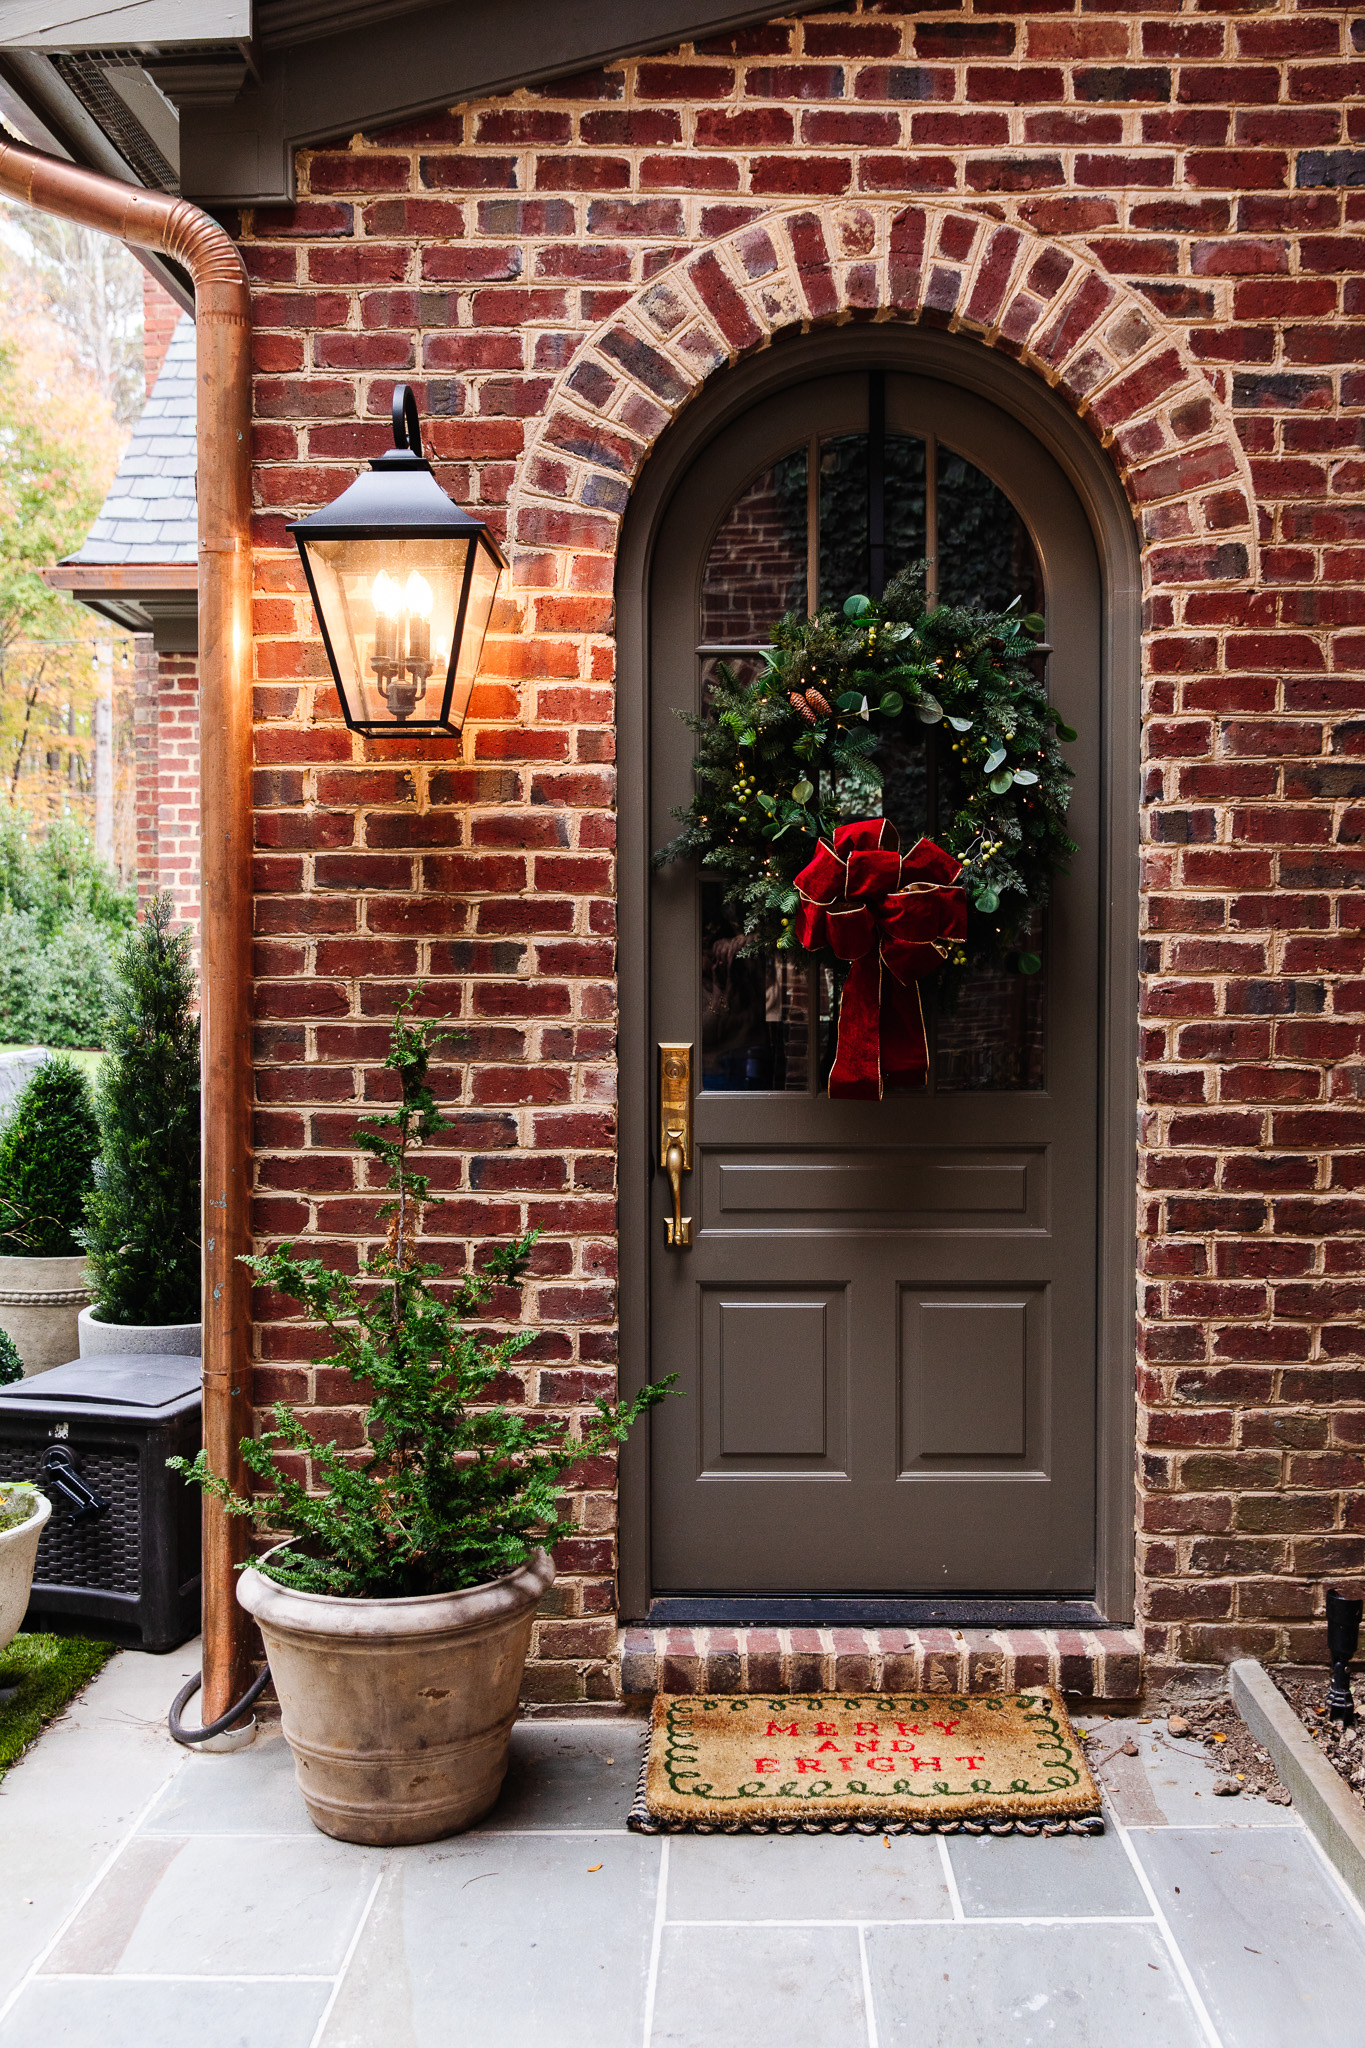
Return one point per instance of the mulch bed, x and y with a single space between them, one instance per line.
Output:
1344 1748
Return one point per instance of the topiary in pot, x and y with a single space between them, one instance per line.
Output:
142 1216
398 1618
48 1147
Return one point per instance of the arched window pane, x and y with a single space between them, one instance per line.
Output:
756 570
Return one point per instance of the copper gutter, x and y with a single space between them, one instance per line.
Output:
222 320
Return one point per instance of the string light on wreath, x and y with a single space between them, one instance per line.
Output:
787 757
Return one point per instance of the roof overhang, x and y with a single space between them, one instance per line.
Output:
160 598
308 72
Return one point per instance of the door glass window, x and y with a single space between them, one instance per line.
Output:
845 513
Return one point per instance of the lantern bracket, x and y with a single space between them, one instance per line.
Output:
407 428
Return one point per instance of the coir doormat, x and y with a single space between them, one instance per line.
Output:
871 1764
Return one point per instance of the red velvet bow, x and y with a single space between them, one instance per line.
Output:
894 919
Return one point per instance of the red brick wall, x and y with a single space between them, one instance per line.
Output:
159 316
1162 215
166 742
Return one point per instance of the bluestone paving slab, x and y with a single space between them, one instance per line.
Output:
67 1804
1276 1950
965 1986
766 1987
570 1774
503 1941
249 1792
61 2014
1170 1781
806 1877
1007 1876
221 1906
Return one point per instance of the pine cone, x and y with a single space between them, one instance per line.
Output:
799 704
817 702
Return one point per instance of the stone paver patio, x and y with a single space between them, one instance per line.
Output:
151 1896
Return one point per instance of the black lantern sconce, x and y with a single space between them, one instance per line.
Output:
403 584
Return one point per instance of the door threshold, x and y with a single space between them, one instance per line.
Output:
874 1611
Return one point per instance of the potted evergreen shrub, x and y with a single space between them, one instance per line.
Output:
397 1614
23 1514
142 1215
48 1147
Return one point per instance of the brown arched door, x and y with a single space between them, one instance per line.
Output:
885 1325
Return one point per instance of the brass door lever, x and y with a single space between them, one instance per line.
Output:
675 1136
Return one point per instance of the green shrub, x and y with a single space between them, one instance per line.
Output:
142 1217
58 877
75 984
11 1364
21 948
48 1147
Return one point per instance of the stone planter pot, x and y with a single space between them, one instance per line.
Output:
40 1304
18 1555
398 1712
109 1340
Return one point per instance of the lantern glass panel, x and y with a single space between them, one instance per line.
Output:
390 609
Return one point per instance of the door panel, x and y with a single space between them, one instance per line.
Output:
885 1325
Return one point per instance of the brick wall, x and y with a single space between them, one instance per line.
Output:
1161 213
159 316
166 744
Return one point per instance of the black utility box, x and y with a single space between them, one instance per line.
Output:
119 1559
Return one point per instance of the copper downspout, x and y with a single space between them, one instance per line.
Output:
222 315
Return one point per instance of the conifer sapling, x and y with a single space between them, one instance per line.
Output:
453 1492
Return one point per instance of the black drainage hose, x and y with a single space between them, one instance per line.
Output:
189 1736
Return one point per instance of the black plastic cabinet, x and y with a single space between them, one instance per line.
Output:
120 1559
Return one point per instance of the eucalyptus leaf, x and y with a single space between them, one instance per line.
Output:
1066 732
891 703
768 803
998 784
987 901
802 792
854 607
1036 624
960 724
1029 963
929 709
850 700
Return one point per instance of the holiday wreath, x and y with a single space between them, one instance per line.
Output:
787 773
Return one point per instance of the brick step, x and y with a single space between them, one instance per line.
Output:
1091 1663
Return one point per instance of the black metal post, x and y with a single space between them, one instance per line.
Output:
1343 1636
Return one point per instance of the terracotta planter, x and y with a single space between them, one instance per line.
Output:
18 1555
110 1340
40 1303
399 1712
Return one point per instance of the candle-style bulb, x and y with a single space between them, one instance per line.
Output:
387 599
417 601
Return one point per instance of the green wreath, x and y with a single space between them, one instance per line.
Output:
786 757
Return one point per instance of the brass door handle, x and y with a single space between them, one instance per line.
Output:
675 1136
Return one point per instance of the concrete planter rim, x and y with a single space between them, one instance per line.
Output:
404 1614
40 1515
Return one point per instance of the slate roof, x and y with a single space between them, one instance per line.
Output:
149 514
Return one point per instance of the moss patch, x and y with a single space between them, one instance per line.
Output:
49 1671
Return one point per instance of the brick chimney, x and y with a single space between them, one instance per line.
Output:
159 315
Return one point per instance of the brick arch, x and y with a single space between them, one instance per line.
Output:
1127 371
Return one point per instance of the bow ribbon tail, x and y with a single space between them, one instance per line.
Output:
856 1075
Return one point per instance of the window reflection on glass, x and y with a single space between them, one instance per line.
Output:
756 570
984 553
844 560
993 1037
755 1010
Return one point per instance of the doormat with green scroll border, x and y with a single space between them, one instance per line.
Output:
871 1764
